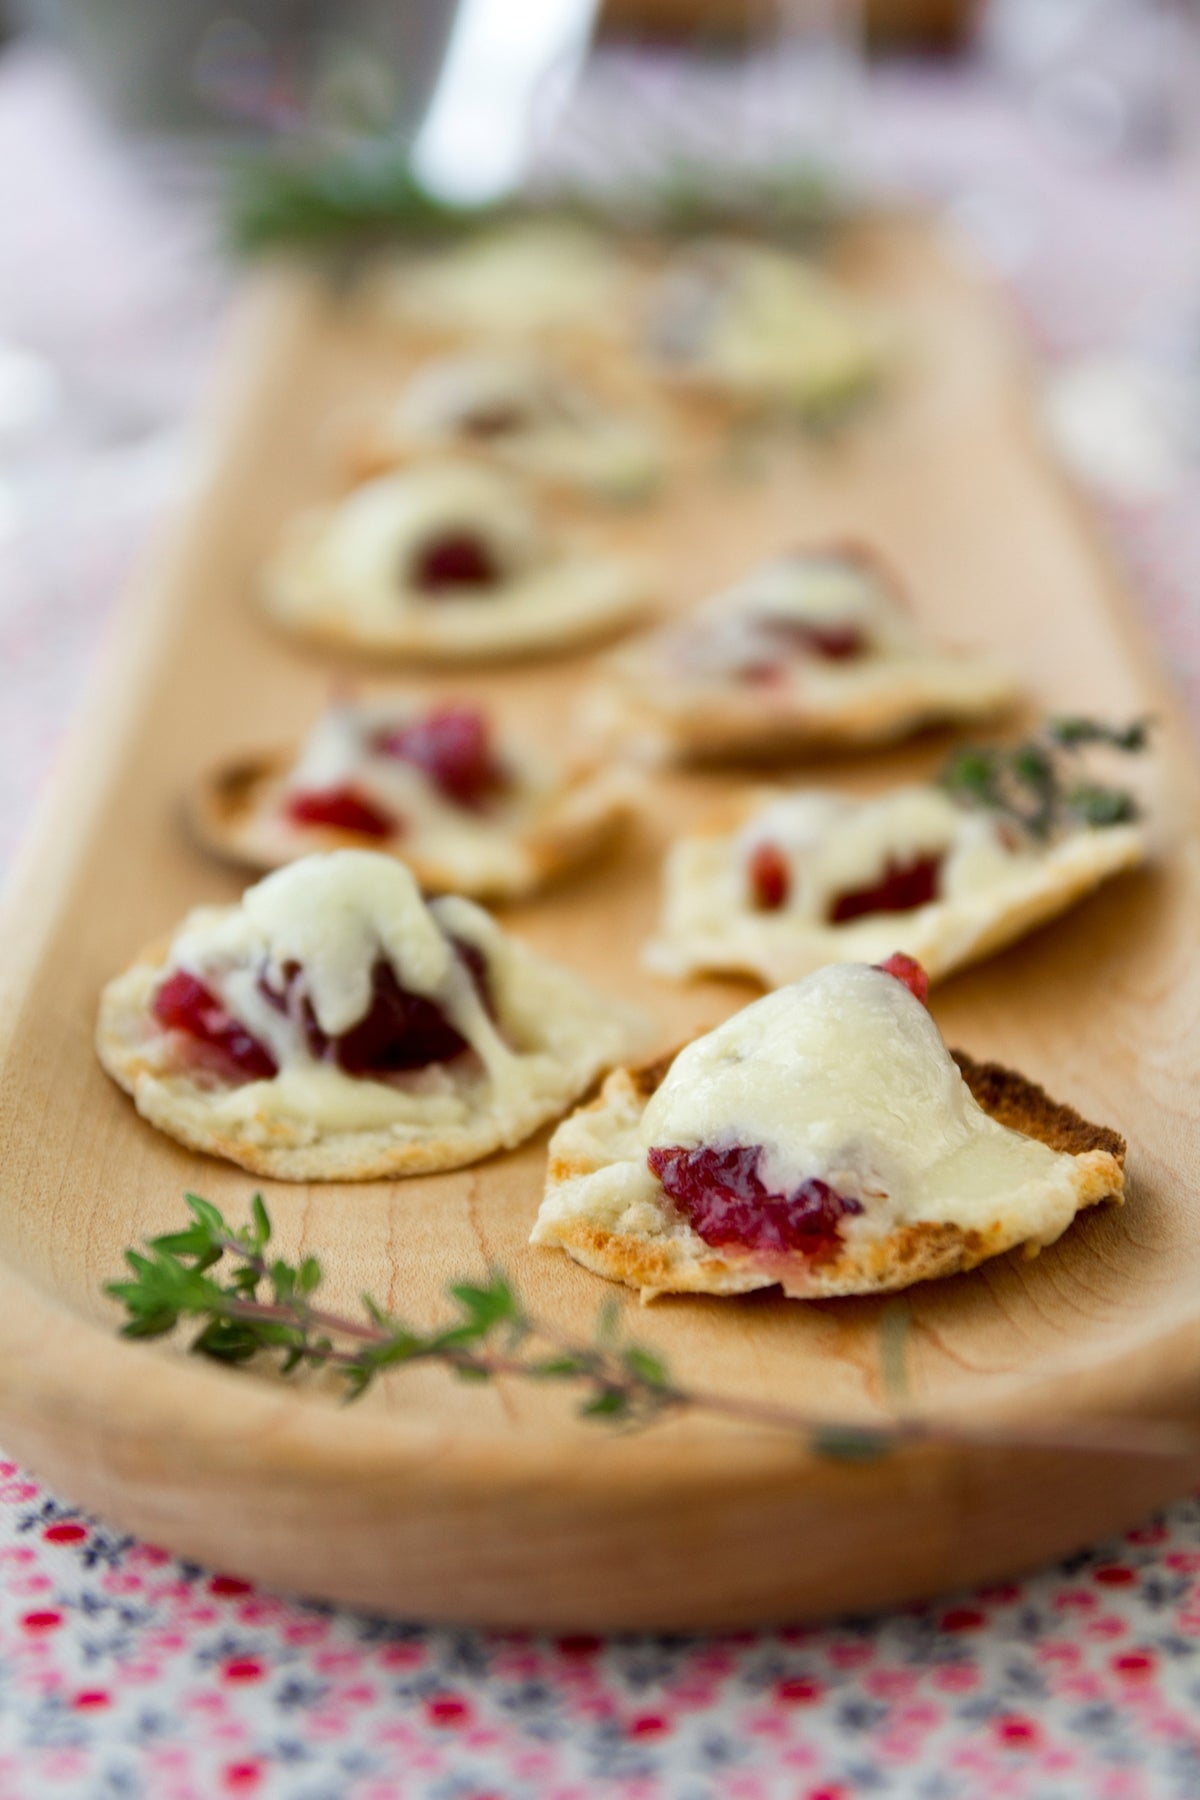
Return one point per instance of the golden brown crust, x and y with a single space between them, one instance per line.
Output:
1012 1100
920 1251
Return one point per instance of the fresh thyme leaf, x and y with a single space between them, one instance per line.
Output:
487 1307
894 1326
1073 732
608 1323
1102 806
1038 785
611 1403
376 1313
849 1443
310 195
560 1368
207 1215
261 1235
645 1366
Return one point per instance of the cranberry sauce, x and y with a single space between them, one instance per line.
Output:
908 970
769 876
495 421
456 559
400 1030
831 642
184 1004
902 887
343 808
721 1196
452 745
775 640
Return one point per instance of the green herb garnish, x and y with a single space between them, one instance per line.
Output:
250 1305
308 195
303 198
1040 785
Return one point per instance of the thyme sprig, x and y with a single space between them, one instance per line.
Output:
250 1305
309 196
1042 783
313 195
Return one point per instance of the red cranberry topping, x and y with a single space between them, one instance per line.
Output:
908 970
722 1198
184 1004
400 1030
901 887
770 877
494 421
452 745
458 559
831 642
343 808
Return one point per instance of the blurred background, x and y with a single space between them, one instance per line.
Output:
1058 138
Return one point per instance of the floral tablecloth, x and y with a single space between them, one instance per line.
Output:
125 1673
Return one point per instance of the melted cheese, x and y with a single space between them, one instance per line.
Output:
764 325
373 536
337 916
995 885
445 395
821 589
733 631
558 431
520 280
481 847
835 846
844 1078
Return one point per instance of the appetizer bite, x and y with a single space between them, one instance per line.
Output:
814 648
525 411
531 279
448 561
334 1026
823 1140
948 872
764 330
469 810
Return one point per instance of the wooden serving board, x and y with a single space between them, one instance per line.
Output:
496 1505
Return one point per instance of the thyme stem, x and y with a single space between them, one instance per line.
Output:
491 1336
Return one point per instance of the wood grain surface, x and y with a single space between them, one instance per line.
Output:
446 1501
